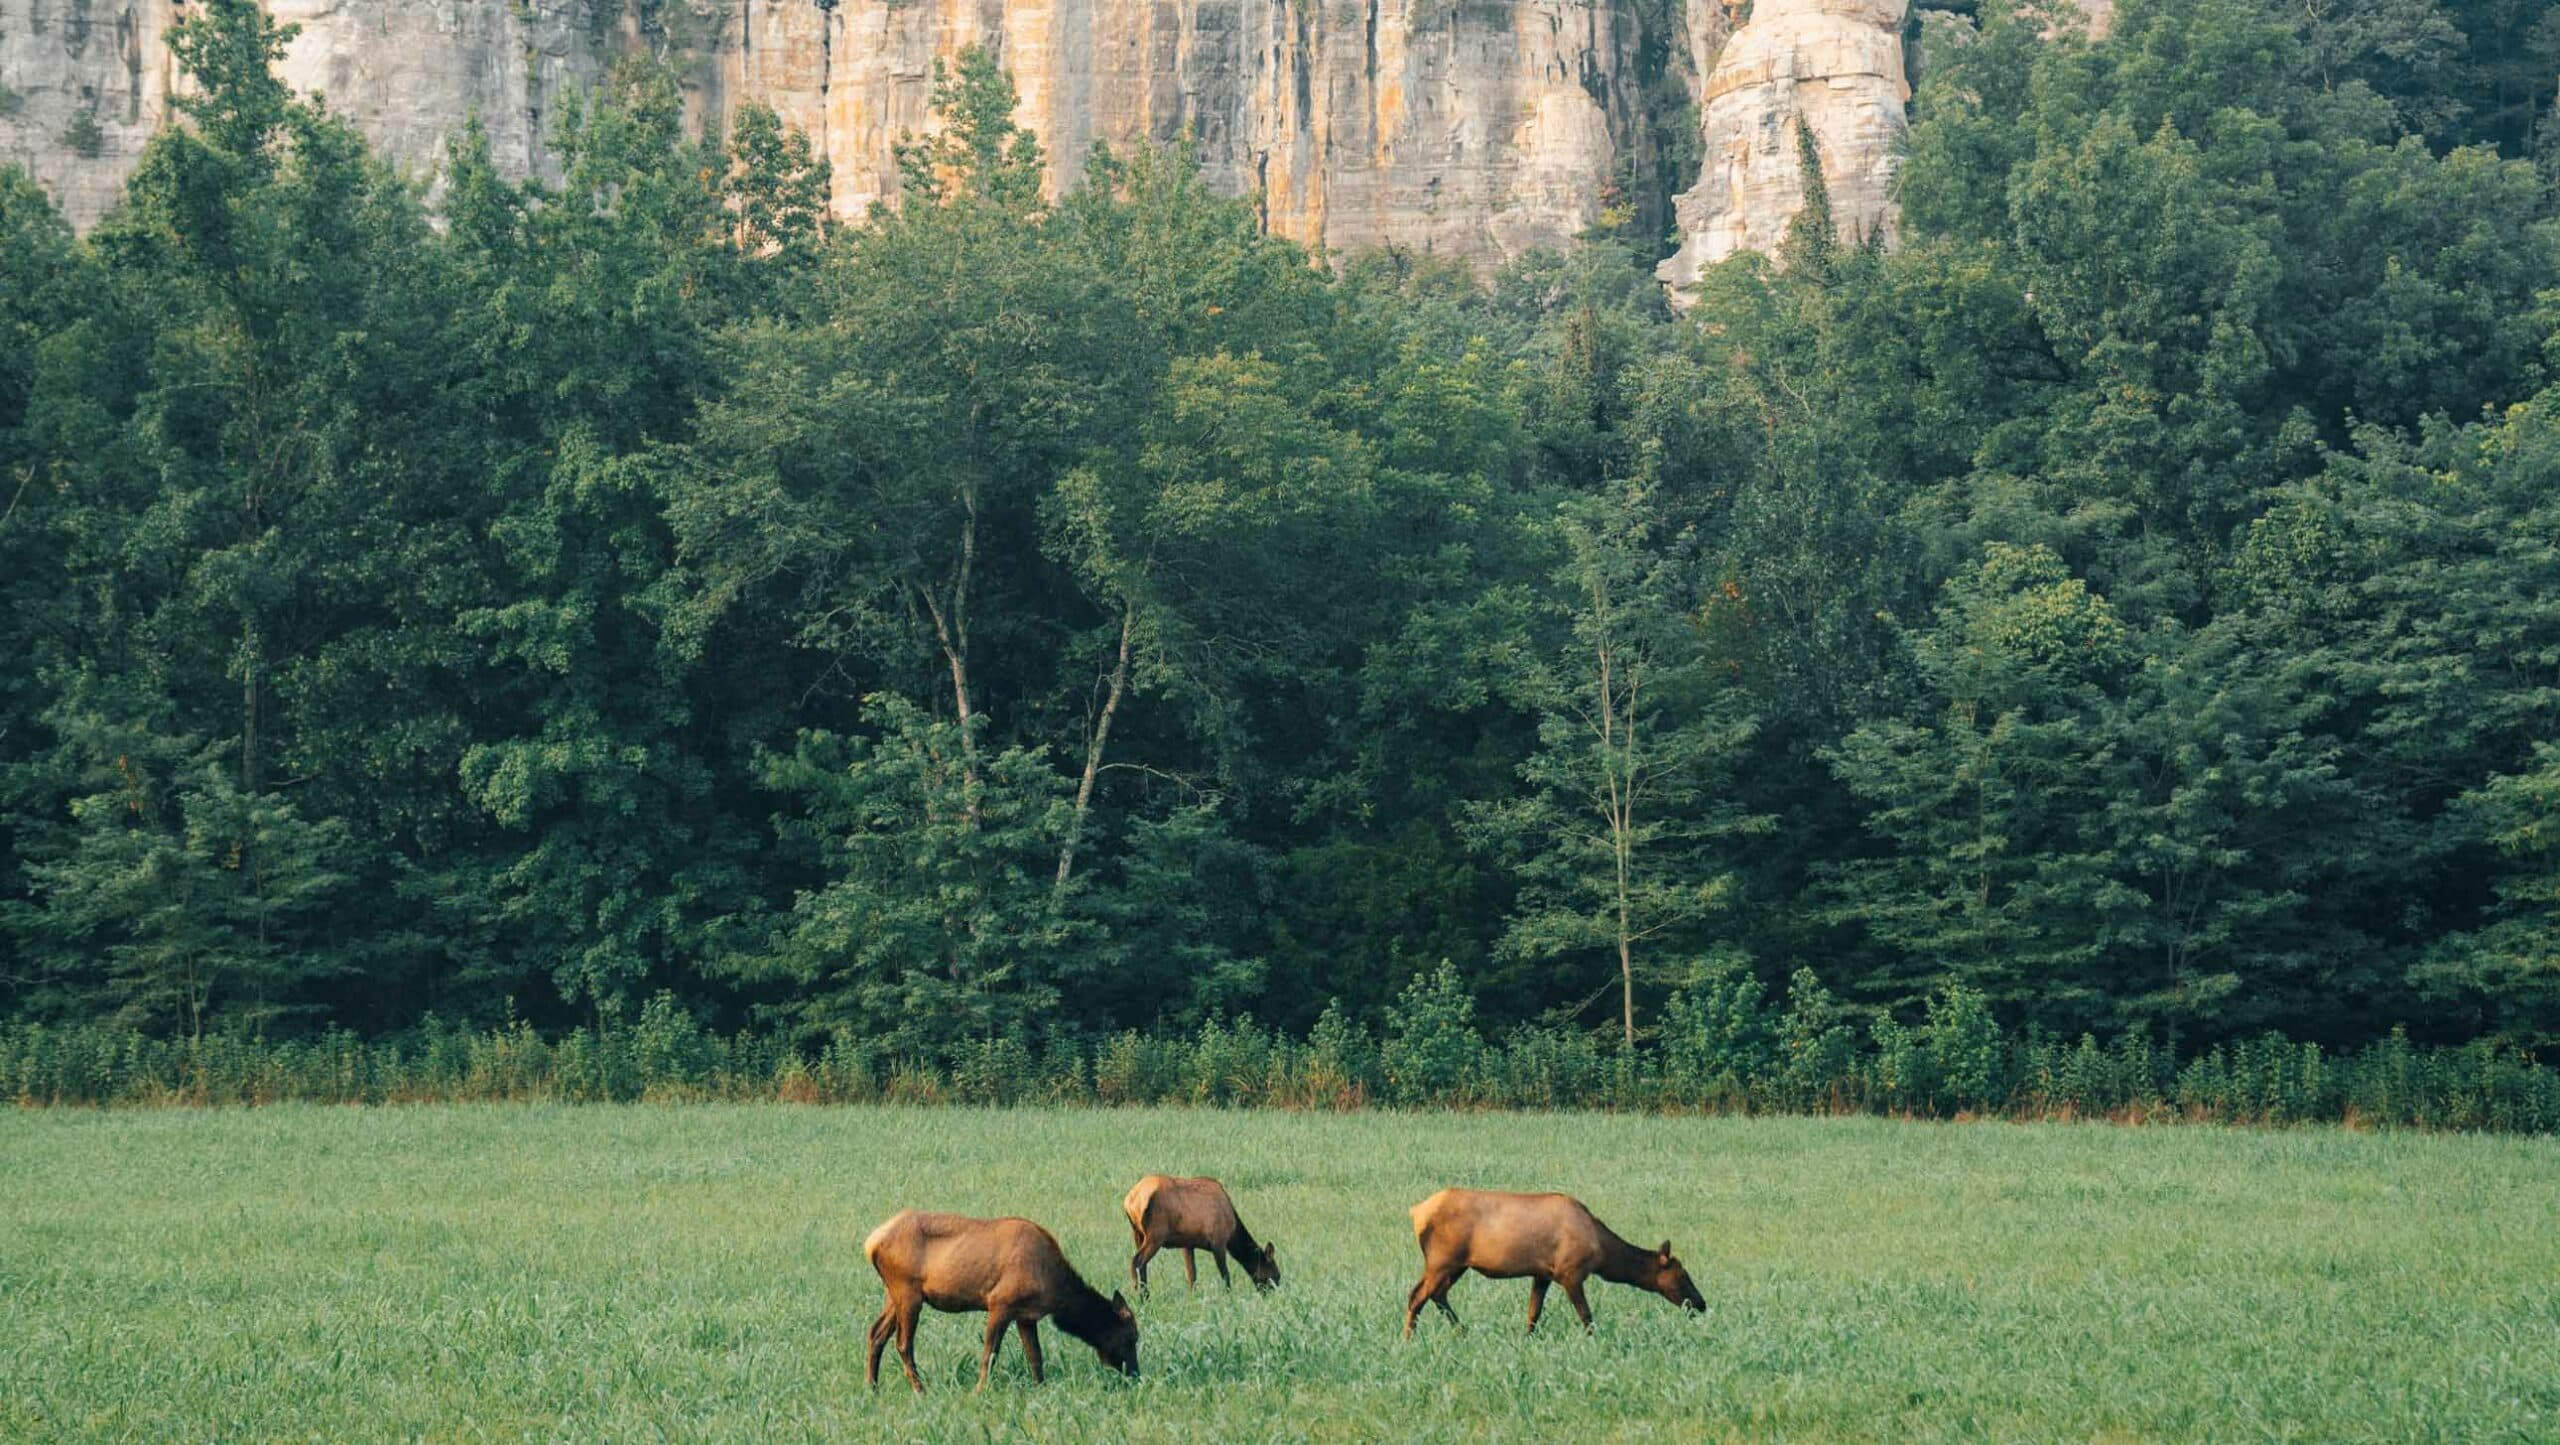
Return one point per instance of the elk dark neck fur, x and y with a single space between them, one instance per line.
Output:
1246 1248
1621 1262
1082 1311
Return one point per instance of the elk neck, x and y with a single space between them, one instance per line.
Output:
1623 1263
1246 1248
1083 1311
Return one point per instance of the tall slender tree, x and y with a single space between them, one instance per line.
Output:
1620 838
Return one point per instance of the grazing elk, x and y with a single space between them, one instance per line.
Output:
1544 1238
1190 1214
1011 1268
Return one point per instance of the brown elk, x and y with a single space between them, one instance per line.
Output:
1011 1268
1188 1215
1544 1238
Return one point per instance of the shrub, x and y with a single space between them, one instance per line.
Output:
1342 1061
1716 1037
1717 1048
1133 1068
1815 1049
1968 1056
992 1071
1432 1046
1547 1068
1899 1079
83 137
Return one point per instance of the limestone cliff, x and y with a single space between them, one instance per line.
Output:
82 85
1834 67
1473 128
1478 128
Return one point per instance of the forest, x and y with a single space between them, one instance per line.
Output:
2127 607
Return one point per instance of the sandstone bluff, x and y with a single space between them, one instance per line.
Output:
1473 128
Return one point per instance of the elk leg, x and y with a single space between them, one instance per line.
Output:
907 1315
996 1321
1224 1278
1147 1249
1573 1292
1440 1297
1413 1301
1537 1301
1190 1268
881 1329
1029 1331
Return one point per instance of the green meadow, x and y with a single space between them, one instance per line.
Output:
695 1272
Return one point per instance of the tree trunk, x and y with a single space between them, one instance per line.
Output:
1622 825
248 709
1618 751
1627 979
1093 749
951 633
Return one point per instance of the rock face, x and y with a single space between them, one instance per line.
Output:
1834 67
1477 128
1471 128
83 83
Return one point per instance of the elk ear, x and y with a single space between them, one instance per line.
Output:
1665 1254
1119 1305
1271 1252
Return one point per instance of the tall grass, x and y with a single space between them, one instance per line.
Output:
1721 1049
695 1273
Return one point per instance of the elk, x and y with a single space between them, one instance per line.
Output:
1544 1238
1011 1268
1193 1214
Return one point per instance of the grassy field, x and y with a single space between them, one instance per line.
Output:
690 1273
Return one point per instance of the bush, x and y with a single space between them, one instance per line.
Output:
1718 1048
1133 1068
1547 1068
1899 1079
1342 1062
1968 1056
1432 1047
1816 1050
1717 1038
84 137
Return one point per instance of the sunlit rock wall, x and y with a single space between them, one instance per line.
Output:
1476 128
1834 67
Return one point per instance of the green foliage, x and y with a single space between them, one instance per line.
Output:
778 193
1812 236
2511 965
1718 1038
202 898
1431 1047
1020 645
1987 877
936 923
1616 840
1815 1049
1968 1058
1805 1060
979 153
83 136
229 49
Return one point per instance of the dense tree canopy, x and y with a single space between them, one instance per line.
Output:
2135 599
